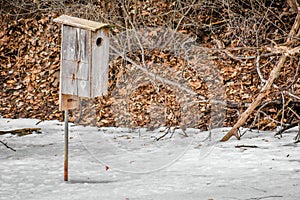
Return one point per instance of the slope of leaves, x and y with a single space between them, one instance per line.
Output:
235 33
29 68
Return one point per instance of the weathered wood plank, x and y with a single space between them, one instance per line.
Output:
83 88
69 86
84 45
80 23
69 43
68 102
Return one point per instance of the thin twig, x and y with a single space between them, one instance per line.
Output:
246 146
289 126
5 144
270 118
167 131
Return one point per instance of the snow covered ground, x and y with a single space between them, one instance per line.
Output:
142 168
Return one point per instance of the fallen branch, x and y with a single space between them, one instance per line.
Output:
21 132
265 90
257 101
246 146
265 197
5 144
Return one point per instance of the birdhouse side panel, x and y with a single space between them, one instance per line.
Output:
100 59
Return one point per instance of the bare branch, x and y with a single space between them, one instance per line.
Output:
5 144
156 77
257 101
264 91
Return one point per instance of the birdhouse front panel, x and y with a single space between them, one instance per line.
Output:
76 53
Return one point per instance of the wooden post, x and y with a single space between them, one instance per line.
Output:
66 155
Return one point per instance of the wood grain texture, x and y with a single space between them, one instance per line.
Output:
80 23
99 70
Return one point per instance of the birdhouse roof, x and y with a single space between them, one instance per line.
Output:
80 23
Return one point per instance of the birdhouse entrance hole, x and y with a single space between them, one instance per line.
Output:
99 41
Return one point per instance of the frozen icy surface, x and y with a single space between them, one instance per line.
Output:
142 168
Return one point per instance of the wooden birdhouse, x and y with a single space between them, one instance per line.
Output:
84 60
